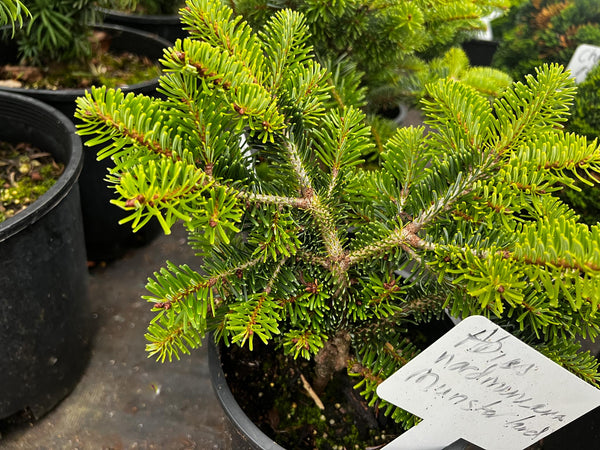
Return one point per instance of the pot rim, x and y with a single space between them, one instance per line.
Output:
146 18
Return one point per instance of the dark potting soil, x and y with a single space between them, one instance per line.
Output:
26 173
269 388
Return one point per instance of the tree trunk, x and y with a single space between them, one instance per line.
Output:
332 358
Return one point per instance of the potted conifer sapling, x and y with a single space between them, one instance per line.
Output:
385 49
305 251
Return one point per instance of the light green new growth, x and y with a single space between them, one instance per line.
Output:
12 12
298 244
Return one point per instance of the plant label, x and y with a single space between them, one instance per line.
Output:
482 384
583 60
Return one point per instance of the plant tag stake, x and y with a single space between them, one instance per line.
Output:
480 383
583 60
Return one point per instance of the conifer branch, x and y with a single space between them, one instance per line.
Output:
304 181
405 237
322 215
313 259
278 200
214 25
95 110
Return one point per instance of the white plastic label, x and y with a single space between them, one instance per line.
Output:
480 383
585 58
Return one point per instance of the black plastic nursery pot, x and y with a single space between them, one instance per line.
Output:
105 239
243 433
166 26
480 52
44 311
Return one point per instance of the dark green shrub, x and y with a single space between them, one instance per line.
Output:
385 42
545 31
585 119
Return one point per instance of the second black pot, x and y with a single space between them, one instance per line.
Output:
105 239
45 326
480 52
166 26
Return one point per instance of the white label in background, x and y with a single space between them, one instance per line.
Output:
487 34
480 383
585 58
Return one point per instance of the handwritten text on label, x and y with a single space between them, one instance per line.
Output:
482 384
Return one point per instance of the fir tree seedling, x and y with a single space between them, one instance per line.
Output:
301 247
384 42
385 52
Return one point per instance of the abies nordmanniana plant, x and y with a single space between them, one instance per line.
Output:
382 53
301 247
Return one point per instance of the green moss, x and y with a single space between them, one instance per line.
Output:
26 174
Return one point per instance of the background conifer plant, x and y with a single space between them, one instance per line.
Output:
585 120
55 30
384 39
544 31
385 45
303 248
382 53
455 64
